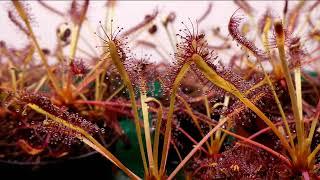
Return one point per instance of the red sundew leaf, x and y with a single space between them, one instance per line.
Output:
25 146
17 23
234 30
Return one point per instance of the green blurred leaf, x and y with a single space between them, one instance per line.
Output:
130 157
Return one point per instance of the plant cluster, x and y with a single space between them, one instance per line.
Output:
252 116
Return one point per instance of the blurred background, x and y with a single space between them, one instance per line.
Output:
126 15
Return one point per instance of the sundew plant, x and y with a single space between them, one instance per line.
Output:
241 104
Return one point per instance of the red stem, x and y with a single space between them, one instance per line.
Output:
191 139
276 154
268 129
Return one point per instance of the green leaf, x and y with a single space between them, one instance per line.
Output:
131 156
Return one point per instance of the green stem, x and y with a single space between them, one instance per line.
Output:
170 38
145 114
222 83
125 77
157 131
167 135
13 76
218 139
284 118
25 19
74 41
312 156
208 111
297 80
314 124
293 96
